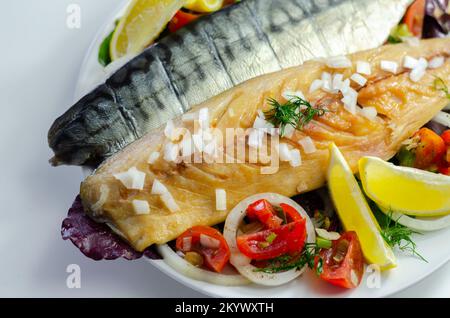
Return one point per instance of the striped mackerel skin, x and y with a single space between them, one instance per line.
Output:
209 56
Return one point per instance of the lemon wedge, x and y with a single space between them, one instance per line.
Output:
204 5
354 211
141 24
406 190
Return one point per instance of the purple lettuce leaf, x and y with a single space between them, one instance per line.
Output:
97 240
436 23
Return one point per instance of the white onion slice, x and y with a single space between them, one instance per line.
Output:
296 158
331 236
358 79
284 152
233 222
410 62
132 179
442 118
420 224
169 202
186 268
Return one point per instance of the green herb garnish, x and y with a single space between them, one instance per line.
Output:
440 85
296 112
395 234
309 256
104 57
271 237
398 32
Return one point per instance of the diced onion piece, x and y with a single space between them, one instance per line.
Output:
337 81
358 79
332 236
363 68
410 62
180 265
171 152
187 244
308 145
240 262
141 206
289 131
158 188
284 152
203 117
350 100
255 139
221 200
189 117
338 62
315 85
209 242
262 123
296 158
369 112
169 202
345 86
417 74
436 62
327 83
389 66
288 95
442 118
153 157
132 179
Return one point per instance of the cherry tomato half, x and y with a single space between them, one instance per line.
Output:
414 17
271 243
181 19
343 263
264 212
291 213
430 149
215 258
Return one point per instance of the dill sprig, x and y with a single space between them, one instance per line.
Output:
286 262
296 112
395 234
440 85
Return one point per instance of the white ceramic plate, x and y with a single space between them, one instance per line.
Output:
410 270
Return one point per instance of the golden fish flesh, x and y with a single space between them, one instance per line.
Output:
402 106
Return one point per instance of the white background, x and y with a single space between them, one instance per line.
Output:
38 70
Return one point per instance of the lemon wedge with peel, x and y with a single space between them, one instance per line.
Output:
141 24
406 190
204 5
354 211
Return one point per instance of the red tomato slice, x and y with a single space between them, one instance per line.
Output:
414 17
446 137
181 19
214 258
264 212
268 244
343 263
292 214
430 150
